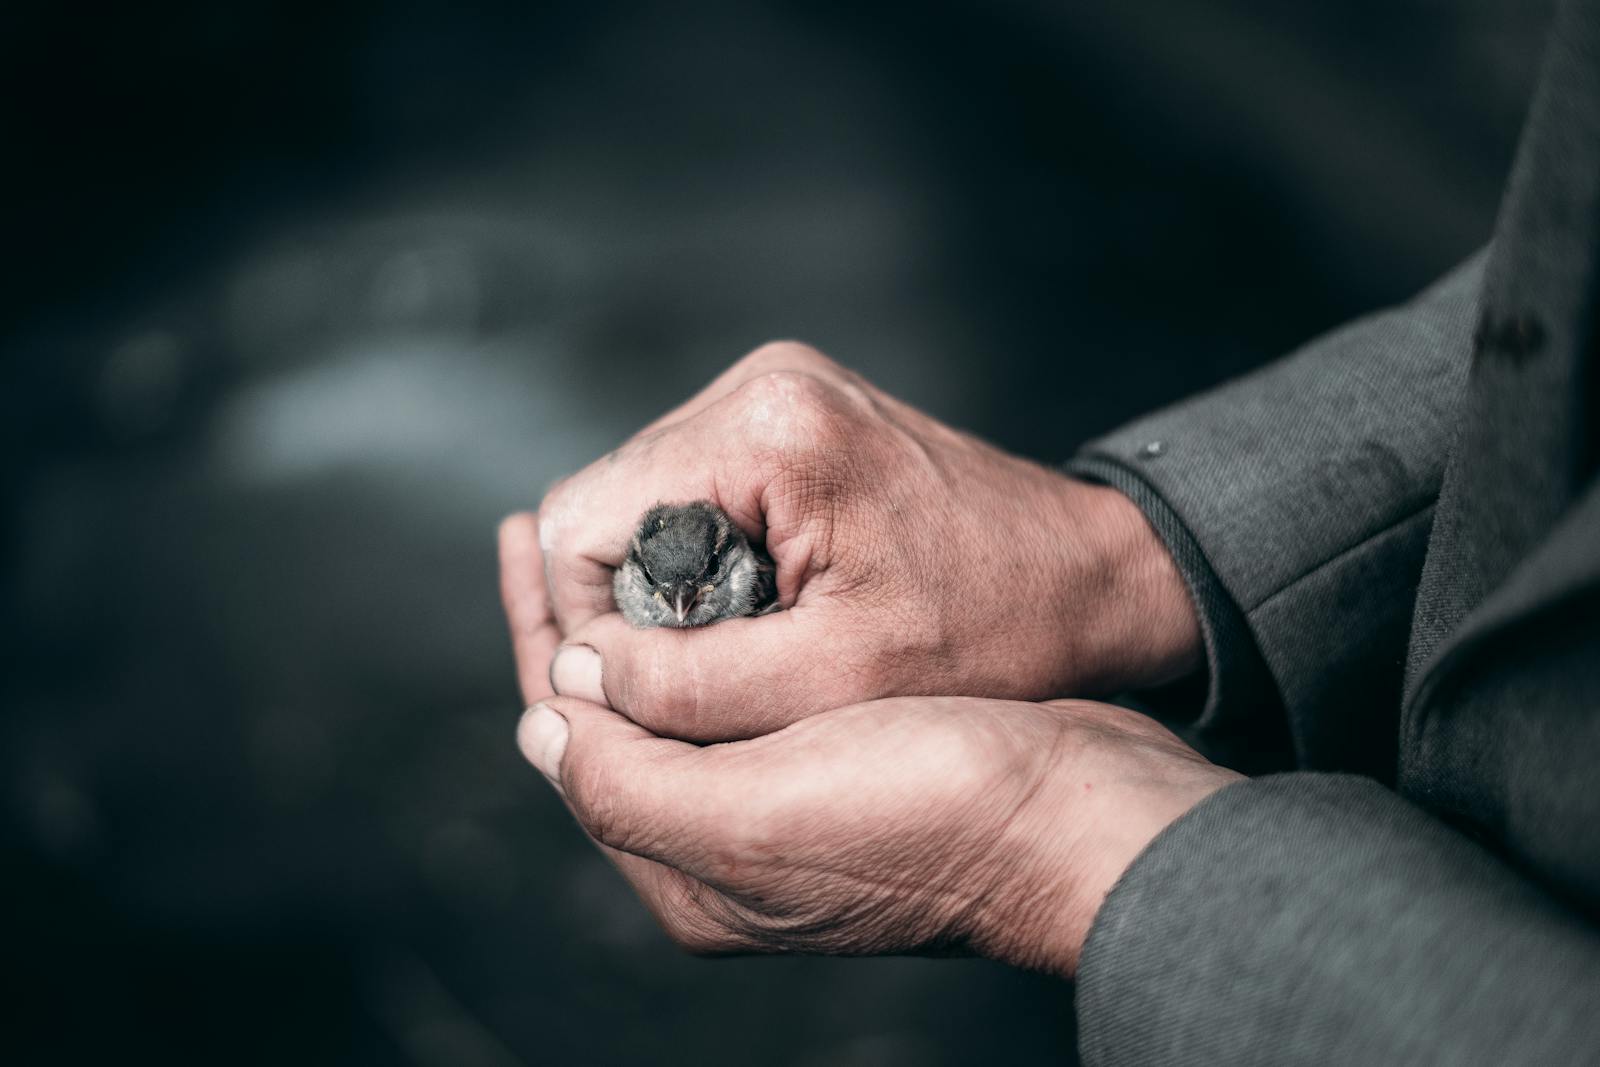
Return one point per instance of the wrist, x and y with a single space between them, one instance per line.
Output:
1095 812
1131 621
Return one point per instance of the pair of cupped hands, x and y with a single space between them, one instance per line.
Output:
866 772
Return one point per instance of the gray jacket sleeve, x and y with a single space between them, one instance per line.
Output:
1311 918
1297 502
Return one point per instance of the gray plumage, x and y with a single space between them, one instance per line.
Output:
689 565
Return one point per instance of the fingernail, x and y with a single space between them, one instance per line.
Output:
542 737
575 672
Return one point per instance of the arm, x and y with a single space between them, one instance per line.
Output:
1301 918
1297 502
1311 918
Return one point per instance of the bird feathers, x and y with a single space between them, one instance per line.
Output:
689 565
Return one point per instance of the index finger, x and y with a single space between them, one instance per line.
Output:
534 634
739 679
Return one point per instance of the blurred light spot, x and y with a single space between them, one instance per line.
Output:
385 408
436 288
140 381
278 301
473 420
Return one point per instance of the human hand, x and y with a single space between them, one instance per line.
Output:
932 825
911 558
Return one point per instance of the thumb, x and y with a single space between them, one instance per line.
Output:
738 679
632 791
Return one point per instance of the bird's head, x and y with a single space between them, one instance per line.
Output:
681 550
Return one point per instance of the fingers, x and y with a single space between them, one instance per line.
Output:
632 791
740 678
643 801
534 636
757 453
587 521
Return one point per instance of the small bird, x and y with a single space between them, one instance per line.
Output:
689 565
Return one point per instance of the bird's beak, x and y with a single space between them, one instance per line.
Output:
684 598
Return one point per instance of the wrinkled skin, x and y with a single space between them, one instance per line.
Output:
914 825
912 559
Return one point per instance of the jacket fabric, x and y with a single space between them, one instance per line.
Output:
1393 541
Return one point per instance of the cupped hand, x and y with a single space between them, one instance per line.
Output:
915 825
911 559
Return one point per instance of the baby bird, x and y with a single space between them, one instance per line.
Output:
689 565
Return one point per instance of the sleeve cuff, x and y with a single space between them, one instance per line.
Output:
1233 722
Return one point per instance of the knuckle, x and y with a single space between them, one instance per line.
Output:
787 410
550 505
800 358
785 354
555 513
787 390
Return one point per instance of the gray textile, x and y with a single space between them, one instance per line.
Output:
1235 677
1309 487
1450 445
1367 933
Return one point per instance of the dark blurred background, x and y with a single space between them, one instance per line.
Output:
305 296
